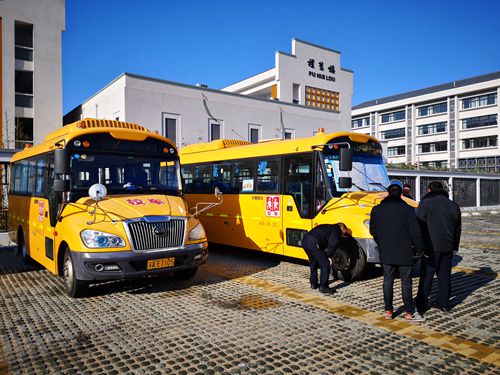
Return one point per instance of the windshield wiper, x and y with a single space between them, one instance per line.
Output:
360 188
377 183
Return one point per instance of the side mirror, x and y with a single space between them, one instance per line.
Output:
98 192
61 186
345 182
345 161
61 161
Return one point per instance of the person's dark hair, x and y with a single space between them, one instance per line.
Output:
407 186
435 186
395 191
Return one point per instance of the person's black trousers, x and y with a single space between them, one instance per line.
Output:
406 285
317 258
439 264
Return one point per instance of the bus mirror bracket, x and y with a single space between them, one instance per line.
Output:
345 182
61 161
203 206
61 186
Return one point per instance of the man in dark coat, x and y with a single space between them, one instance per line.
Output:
441 223
394 227
319 244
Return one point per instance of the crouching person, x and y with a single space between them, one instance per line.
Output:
394 227
319 244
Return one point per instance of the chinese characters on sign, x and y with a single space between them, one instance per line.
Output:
311 63
273 205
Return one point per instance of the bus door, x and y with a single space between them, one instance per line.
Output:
42 214
298 207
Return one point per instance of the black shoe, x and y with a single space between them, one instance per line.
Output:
314 286
326 290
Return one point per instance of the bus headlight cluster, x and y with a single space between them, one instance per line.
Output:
197 233
96 239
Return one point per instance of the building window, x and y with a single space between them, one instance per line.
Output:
434 164
394 133
254 133
480 142
215 131
24 89
437 127
296 93
171 129
393 116
479 101
476 122
324 99
23 39
396 151
424 148
23 132
289 133
360 122
433 109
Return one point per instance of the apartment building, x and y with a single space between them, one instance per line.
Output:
453 125
31 70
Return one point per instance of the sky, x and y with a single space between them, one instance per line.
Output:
392 46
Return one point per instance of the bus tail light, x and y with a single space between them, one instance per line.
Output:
86 144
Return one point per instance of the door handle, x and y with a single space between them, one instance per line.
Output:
46 214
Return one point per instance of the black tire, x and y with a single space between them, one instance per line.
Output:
186 274
74 287
22 251
349 261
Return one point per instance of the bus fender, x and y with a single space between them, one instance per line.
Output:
370 248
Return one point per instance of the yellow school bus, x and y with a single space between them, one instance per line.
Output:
100 200
275 191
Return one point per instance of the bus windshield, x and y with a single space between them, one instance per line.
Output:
124 174
368 169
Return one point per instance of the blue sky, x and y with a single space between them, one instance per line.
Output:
392 46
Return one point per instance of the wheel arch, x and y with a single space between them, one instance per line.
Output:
61 250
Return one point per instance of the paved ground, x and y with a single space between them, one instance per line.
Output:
250 313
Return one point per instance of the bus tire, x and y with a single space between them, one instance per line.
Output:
22 250
74 287
349 261
186 274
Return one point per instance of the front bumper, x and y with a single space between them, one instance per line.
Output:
370 248
133 264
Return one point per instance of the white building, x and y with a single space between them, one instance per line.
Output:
453 125
31 70
306 89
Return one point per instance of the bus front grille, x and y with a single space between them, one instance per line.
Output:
157 235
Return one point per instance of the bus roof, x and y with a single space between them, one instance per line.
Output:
117 129
233 149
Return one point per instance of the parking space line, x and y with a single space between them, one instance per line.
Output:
479 271
480 246
417 332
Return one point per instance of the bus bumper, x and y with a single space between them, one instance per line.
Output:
370 248
133 264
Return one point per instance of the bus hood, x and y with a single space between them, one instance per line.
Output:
123 207
366 200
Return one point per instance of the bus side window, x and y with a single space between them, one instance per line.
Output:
40 177
23 189
15 178
187 178
268 172
298 182
202 178
222 176
320 198
243 177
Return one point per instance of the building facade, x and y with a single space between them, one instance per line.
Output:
31 70
306 90
453 125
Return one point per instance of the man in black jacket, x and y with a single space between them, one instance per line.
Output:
319 244
394 227
441 223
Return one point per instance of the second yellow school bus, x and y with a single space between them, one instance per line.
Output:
275 191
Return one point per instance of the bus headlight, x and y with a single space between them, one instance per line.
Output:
197 233
95 239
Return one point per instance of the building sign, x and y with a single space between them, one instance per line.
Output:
273 205
319 70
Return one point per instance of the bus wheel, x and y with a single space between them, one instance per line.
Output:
348 262
186 274
22 251
73 286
